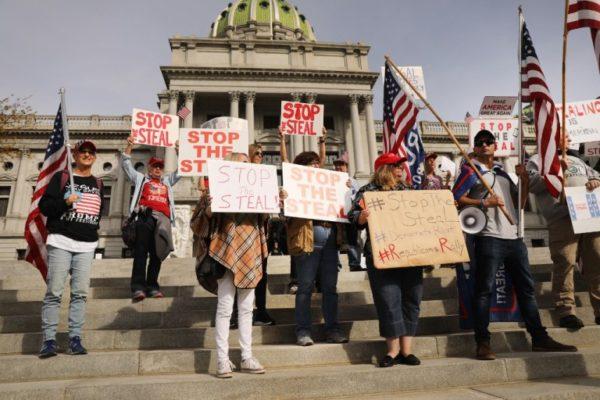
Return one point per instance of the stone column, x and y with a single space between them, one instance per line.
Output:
250 97
296 143
170 153
116 199
371 135
358 151
311 143
234 104
19 197
188 122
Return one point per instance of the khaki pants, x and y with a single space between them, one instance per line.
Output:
564 248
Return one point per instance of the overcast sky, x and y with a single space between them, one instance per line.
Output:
107 53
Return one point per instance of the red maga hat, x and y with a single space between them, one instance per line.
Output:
84 143
388 159
156 161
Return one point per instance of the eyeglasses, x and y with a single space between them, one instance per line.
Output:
481 142
88 152
159 166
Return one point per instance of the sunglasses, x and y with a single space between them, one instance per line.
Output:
488 142
86 151
259 153
159 166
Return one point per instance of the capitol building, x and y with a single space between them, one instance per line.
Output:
257 53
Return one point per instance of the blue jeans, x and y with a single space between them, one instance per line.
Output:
321 261
61 263
490 253
354 252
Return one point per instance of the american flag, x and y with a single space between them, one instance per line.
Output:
547 127
586 14
35 227
399 118
88 203
183 112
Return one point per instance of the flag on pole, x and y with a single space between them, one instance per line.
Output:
35 227
183 112
400 135
586 14
546 122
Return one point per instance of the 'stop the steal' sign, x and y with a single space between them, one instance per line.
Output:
196 146
505 130
414 228
154 129
302 118
237 187
315 193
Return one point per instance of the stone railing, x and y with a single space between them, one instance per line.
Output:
76 122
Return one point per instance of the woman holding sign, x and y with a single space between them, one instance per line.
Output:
313 246
234 248
397 292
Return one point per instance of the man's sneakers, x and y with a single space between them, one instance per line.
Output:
546 343
225 369
335 336
156 294
252 366
138 296
484 351
49 349
304 340
75 346
571 322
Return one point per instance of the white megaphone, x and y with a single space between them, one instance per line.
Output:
472 220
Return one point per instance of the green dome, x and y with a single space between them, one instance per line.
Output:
262 19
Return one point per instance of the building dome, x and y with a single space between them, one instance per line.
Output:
262 19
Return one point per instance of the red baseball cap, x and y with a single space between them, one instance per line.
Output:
156 161
388 159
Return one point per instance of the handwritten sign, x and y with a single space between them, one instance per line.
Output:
414 228
583 120
237 187
584 209
154 129
232 123
415 76
196 146
302 118
506 131
497 106
315 193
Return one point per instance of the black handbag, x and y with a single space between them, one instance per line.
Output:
208 271
128 225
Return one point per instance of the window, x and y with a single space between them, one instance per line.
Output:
330 157
4 197
139 166
8 166
272 158
264 4
271 122
329 123
107 167
106 200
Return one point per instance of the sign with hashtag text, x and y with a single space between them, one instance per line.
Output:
414 228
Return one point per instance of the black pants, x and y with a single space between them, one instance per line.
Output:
145 246
260 292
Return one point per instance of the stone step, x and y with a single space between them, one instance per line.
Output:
297 383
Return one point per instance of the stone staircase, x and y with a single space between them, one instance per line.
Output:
165 348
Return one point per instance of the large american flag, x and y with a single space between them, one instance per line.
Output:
399 118
35 227
547 127
586 14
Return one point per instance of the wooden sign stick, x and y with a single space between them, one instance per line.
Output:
452 136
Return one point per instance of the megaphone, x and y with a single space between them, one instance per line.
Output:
472 220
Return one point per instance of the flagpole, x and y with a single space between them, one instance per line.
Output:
65 126
564 86
452 137
521 211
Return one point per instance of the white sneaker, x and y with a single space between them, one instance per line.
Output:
252 366
225 369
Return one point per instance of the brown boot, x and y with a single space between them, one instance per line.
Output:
484 351
548 344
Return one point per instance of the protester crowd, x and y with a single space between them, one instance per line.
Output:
231 250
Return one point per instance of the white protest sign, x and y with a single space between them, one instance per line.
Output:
583 120
196 146
154 129
592 149
497 106
506 131
315 193
237 187
231 123
302 118
584 208
416 77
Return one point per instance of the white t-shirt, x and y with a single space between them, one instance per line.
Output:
68 244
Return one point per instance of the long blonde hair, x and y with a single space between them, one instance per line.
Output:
384 178
236 157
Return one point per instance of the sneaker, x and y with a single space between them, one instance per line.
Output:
355 268
156 294
262 318
75 346
49 349
293 288
225 369
387 361
410 359
484 352
138 296
549 344
304 340
252 366
335 337
571 322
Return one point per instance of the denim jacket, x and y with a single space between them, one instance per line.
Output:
137 178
